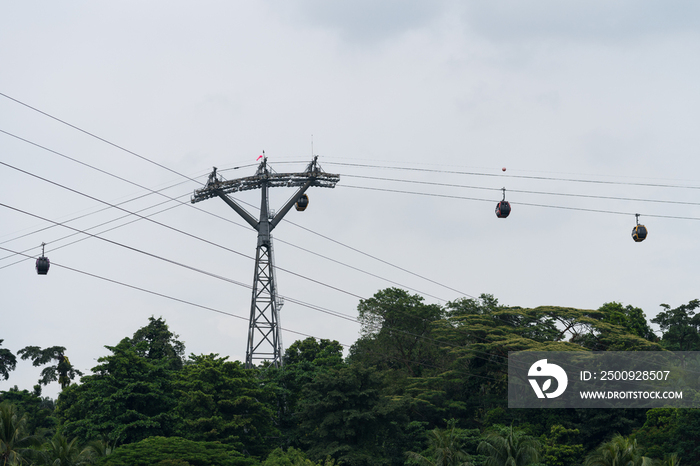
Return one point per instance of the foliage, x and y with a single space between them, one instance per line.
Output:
175 451
681 326
130 395
294 457
15 439
668 431
444 449
128 398
345 416
632 319
38 410
320 353
303 361
559 448
162 346
669 460
414 366
618 451
291 457
221 401
396 328
506 446
59 451
62 371
8 362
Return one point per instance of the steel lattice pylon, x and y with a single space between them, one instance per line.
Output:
264 336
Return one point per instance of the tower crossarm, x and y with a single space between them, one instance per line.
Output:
273 180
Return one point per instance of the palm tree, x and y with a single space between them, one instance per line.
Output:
59 451
509 448
14 438
619 451
97 449
444 447
670 460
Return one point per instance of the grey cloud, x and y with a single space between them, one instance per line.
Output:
597 20
365 21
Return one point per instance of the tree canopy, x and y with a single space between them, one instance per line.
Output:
423 384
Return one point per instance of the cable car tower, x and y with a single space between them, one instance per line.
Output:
264 337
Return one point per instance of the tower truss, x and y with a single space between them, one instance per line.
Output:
264 336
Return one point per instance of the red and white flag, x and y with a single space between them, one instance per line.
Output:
259 157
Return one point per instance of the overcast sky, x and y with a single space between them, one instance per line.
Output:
603 93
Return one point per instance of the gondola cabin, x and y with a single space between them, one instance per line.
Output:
42 265
302 203
503 209
639 233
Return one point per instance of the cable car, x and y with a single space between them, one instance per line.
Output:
42 263
302 203
639 232
503 207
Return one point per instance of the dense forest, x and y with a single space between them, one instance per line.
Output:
424 384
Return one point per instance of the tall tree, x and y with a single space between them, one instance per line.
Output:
62 371
345 415
628 317
130 394
161 344
680 326
396 331
126 399
304 360
8 362
668 430
218 400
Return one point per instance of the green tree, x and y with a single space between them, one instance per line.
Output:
39 410
559 448
161 346
291 457
175 451
62 371
680 326
617 452
671 431
320 353
15 439
509 447
632 319
344 415
444 449
128 398
477 336
8 362
396 331
218 400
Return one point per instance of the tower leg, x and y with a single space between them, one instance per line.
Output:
264 342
